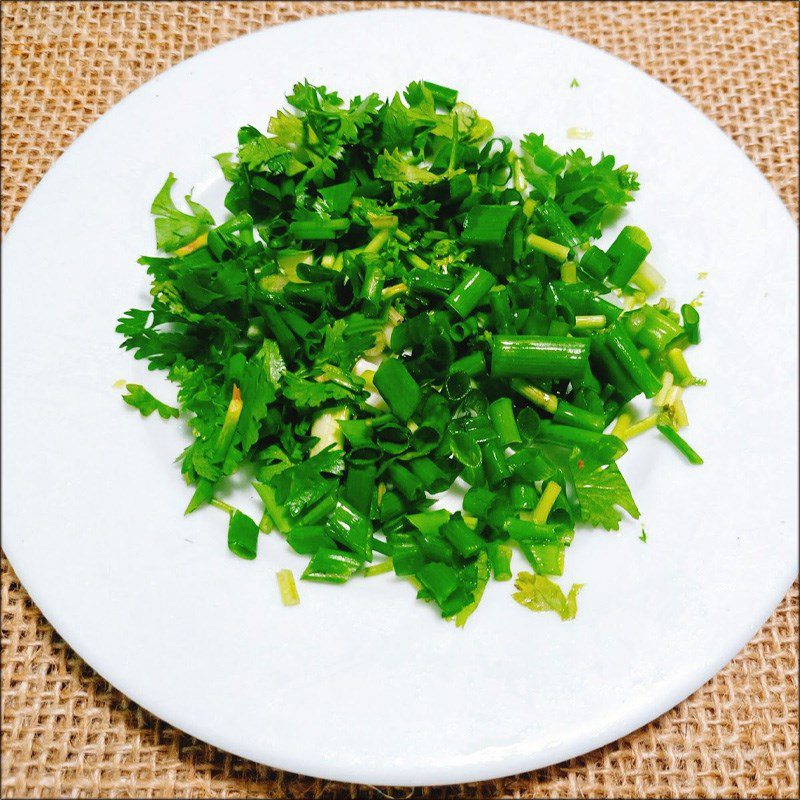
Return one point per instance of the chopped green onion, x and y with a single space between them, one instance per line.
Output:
471 365
471 291
500 560
589 322
691 322
549 248
538 397
443 95
487 225
494 463
680 368
465 540
501 413
648 279
635 428
242 536
379 569
680 443
331 566
545 504
628 252
536 357
596 263
569 414
396 386
287 587
326 428
629 357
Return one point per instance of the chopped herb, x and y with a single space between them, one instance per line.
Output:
573 84
539 593
287 587
579 133
599 490
399 299
140 398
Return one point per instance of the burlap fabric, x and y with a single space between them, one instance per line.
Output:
66 732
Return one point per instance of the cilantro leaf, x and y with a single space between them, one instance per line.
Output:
264 154
287 129
393 167
257 393
272 361
228 165
399 124
419 97
539 593
140 398
587 190
346 340
175 228
320 105
312 394
599 489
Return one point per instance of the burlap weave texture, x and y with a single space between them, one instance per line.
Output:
66 732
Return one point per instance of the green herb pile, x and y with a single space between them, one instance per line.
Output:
400 302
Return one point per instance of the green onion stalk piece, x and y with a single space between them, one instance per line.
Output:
628 252
396 386
287 587
471 291
536 357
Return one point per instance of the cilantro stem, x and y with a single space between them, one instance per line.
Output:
377 242
636 428
681 445
221 505
537 396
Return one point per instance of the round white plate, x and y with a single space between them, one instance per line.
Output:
362 682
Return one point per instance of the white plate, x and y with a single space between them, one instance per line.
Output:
361 682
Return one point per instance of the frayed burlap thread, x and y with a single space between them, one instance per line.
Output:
66 732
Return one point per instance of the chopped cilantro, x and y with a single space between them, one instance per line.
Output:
401 298
140 398
599 490
540 593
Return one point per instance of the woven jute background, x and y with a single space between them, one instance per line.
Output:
66 732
